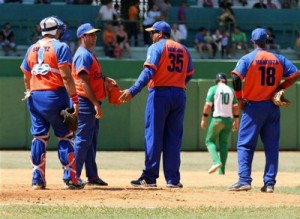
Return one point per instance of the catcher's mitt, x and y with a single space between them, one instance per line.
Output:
114 92
279 99
70 120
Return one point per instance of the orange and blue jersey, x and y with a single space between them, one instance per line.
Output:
168 61
262 72
85 61
168 64
55 55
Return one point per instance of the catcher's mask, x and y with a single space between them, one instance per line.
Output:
221 77
50 25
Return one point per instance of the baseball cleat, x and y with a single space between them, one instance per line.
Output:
178 185
267 188
97 182
70 185
214 168
143 182
38 186
239 187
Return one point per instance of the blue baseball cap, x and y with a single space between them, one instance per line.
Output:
259 35
86 29
160 26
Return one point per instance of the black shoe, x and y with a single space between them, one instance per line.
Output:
267 188
239 187
69 184
97 182
143 182
178 185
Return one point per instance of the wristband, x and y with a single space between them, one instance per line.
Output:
205 115
74 98
236 116
238 94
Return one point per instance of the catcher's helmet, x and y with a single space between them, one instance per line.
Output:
50 25
221 77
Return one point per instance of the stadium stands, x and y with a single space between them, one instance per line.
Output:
285 23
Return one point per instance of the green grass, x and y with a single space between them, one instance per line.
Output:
135 160
53 212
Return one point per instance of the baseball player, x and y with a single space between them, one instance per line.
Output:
261 72
49 86
90 86
225 118
167 70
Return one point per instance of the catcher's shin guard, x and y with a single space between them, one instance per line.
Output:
38 159
67 157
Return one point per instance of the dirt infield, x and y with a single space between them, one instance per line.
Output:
200 189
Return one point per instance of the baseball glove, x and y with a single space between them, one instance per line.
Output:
113 92
70 120
279 99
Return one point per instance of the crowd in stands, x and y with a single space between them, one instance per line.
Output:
121 32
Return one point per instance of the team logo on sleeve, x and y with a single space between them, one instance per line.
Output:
237 64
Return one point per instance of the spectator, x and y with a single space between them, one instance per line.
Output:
175 34
243 2
226 44
286 4
107 12
225 3
239 40
122 41
294 4
226 19
152 16
260 4
271 40
182 21
68 38
7 40
133 23
201 44
96 3
36 34
163 6
271 5
109 40
217 36
208 38
208 4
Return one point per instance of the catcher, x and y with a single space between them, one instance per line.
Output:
262 93
49 86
